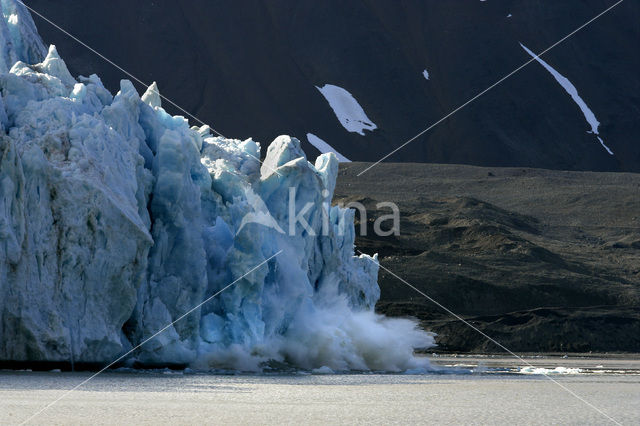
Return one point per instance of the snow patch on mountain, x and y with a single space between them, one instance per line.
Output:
573 92
324 147
347 109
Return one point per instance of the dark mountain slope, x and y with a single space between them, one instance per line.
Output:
249 68
541 260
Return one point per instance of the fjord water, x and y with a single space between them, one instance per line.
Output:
172 397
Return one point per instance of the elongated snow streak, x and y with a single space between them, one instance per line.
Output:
121 357
573 92
500 345
324 147
571 34
347 109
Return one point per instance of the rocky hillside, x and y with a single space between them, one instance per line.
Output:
541 260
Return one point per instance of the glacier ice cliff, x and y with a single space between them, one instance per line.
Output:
116 218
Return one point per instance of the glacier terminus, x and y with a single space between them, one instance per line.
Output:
116 218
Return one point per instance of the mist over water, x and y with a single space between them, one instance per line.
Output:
333 336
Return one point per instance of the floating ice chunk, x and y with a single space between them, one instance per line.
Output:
347 109
545 371
425 73
324 147
573 92
323 370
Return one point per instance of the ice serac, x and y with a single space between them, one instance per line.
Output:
18 36
117 218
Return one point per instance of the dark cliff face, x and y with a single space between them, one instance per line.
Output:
250 69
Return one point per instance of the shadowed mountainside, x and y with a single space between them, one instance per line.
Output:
250 69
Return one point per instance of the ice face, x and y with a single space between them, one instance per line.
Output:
116 218
19 38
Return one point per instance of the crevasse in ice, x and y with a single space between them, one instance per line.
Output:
116 218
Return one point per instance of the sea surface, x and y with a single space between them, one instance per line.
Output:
468 390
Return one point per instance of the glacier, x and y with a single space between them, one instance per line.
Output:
116 218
